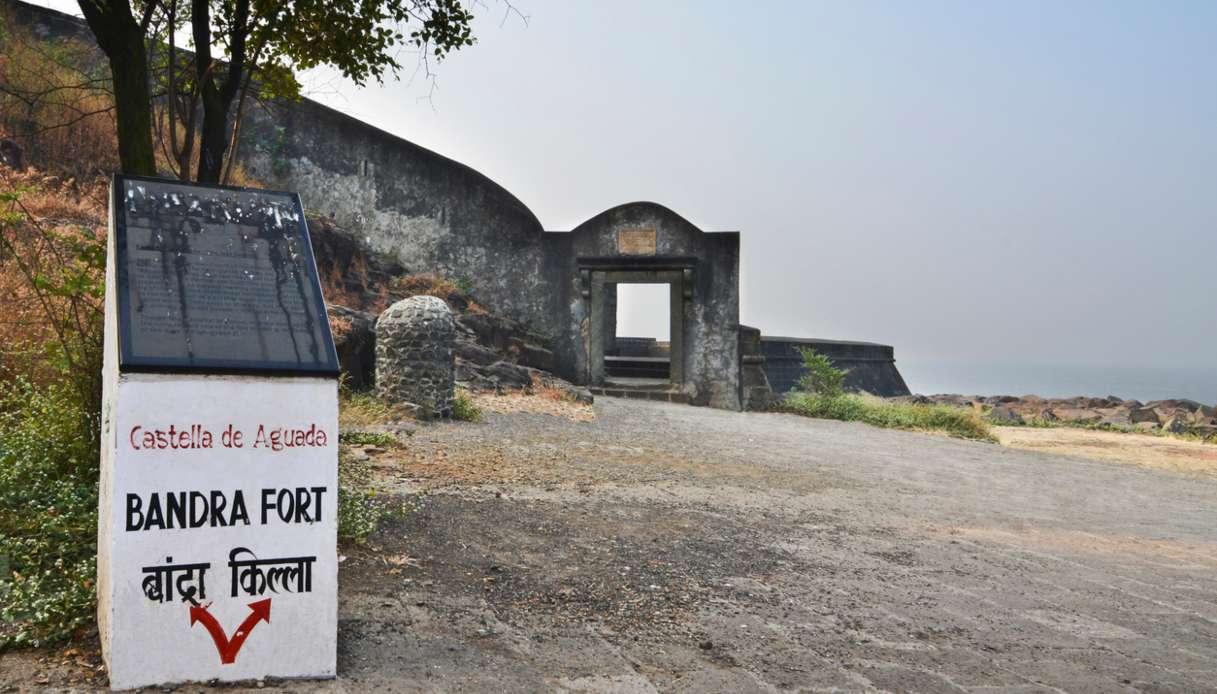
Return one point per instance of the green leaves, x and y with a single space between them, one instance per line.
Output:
48 514
360 38
820 376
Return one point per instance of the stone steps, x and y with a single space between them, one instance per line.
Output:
668 394
638 367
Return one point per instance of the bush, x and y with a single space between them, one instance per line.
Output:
820 377
954 421
52 254
52 268
464 409
48 514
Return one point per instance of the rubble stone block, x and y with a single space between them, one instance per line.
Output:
415 354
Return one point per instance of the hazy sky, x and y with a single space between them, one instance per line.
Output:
1014 181
1025 181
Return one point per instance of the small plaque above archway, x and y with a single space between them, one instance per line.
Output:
636 241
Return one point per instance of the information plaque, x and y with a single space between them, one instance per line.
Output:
218 501
636 242
216 279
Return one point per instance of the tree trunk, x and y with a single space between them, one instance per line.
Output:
217 96
122 40
214 140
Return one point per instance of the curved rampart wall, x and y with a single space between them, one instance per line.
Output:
869 367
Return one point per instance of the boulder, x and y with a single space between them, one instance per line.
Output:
1175 425
1140 415
570 390
498 376
492 331
415 354
531 355
1047 415
1077 414
1004 415
508 375
355 339
475 353
1175 404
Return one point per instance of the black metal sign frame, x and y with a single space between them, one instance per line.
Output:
129 361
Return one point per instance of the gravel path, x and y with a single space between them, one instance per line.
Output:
671 548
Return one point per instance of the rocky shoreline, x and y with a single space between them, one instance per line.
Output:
1176 416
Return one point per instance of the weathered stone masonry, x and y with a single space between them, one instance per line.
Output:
702 270
434 214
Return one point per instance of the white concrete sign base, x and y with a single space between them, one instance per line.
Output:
218 527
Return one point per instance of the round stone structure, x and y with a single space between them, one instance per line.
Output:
415 340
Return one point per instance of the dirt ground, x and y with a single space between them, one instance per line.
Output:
661 547
1154 452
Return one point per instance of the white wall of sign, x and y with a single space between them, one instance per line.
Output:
218 503
202 492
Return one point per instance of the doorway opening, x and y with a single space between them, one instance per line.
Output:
638 347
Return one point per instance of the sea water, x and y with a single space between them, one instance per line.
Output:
1060 380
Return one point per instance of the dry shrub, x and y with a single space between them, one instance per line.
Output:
47 228
426 283
434 284
543 388
56 102
238 175
352 287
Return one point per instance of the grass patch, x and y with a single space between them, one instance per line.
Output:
379 439
953 421
360 510
464 409
361 410
821 394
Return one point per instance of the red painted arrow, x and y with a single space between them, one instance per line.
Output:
258 611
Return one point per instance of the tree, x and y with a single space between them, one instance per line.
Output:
266 38
121 38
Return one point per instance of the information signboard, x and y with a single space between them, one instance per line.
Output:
218 505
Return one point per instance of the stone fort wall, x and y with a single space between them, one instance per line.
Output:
430 213
868 366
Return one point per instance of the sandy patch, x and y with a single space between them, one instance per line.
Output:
1155 452
1200 555
541 403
